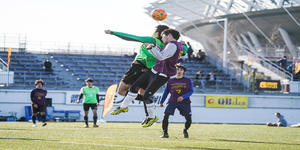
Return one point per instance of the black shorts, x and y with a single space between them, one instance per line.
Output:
134 72
86 107
41 108
150 82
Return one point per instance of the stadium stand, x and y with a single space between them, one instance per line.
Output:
70 71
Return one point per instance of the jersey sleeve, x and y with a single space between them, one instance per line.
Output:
190 92
32 96
98 91
81 91
168 51
165 94
130 37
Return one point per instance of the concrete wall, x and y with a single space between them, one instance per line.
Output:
260 109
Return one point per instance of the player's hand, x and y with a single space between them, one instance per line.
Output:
180 99
161 105
107 31
97 104
78 101
149 45
35 105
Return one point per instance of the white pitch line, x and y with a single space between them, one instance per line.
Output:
112 145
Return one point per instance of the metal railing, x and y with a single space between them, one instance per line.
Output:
232 70
266 63
3 65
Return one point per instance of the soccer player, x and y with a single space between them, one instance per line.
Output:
181 88
38 102
142 63
164 68
91 100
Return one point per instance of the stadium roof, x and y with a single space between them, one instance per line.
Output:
182 11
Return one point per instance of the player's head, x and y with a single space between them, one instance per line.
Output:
39 83
180 71
277 114
170 35
89 82
159 29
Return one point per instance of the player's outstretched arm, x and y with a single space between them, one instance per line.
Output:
130 37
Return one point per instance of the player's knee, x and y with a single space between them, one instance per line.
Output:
123 90
95 117
188 118
85 117
134 89
166 117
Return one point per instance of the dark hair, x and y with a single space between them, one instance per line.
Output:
181 67
173 32
159 29
89 80
39 81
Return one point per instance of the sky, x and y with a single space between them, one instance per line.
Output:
75 21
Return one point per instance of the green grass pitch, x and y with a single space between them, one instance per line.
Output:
72 136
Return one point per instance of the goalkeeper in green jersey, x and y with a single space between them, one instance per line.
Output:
91 100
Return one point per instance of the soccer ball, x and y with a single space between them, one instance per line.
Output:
159 14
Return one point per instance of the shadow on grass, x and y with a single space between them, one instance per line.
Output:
259 142
26 139
202 148
11 129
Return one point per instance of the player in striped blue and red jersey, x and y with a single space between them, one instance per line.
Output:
181 88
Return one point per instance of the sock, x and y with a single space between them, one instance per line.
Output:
188 122
95 119
119 97
128 99
150 109
165 123
86 118
33 119
43 118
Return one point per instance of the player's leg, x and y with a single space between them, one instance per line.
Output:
86 112
122 90
165 124
187 125
170 109
136 78
271 124
135 71
33 116
140 97
156 82
43 114
185 110
133 92
95 116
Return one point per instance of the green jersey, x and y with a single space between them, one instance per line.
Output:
144 56
89 94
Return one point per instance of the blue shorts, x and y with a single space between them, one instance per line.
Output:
184 108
